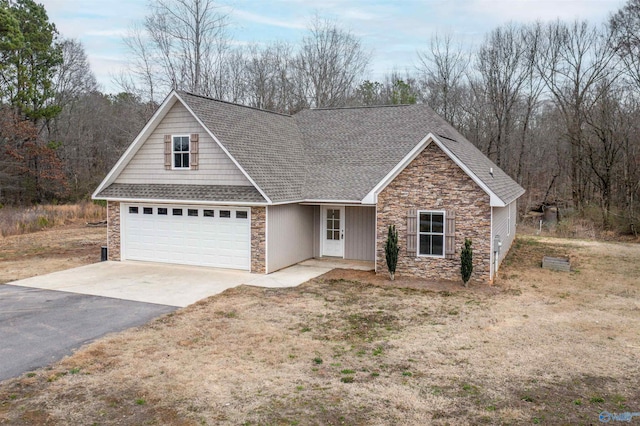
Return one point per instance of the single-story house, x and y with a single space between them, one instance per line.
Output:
211 183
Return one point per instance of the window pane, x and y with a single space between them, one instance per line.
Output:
241 215
185 160
177 160
208 213
177 212
425 244
329 224
185 143
133 210
329 235
425 222
147 210
162 211
336 235
192 212
177 144
437 245
437 223
225 213
336 214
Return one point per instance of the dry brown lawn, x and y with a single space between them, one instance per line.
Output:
50 250
349 348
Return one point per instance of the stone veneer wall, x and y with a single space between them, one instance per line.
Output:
258 239
432 181
113 230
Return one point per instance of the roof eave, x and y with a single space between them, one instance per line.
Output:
180 201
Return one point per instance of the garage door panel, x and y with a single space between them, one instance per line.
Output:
194 240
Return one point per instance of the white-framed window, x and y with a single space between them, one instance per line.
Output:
431 239
180 151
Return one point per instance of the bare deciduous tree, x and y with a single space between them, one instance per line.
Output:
503 66
181 45
443 69
329 64
573 59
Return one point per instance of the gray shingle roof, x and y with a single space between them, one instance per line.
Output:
213 193
335 154
267 145
352 149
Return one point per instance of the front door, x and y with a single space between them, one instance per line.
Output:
333 231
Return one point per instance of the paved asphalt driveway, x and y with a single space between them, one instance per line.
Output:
38 327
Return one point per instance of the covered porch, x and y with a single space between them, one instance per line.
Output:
340 233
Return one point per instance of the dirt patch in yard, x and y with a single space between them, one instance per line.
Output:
540 346
55 249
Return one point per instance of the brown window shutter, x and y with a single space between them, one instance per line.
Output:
194 160
167 152
412 232
450 235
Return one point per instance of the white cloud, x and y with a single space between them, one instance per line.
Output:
266 20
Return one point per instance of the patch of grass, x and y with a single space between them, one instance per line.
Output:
31 374
15 221
347 379
407 373
305 329
317 360
74 370
378 351
596 400
469 389
140 401
347 371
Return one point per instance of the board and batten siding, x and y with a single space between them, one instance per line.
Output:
360 233
147 165
289 235
504 224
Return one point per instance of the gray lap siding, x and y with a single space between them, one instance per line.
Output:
432 181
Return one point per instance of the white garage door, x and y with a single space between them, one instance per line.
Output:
189 235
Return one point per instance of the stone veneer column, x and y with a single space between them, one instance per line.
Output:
258 239
113 230
432 181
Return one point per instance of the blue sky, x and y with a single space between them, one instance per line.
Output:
392 30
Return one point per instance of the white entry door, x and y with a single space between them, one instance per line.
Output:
333 231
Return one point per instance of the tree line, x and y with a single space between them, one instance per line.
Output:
554 104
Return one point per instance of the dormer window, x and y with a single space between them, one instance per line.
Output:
181 152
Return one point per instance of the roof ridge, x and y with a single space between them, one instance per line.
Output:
232 103
362 107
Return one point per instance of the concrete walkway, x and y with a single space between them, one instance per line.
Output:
164 284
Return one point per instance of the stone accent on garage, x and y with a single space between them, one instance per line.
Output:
258 239
113 230
432 181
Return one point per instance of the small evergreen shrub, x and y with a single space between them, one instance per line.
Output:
391 250
466 261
